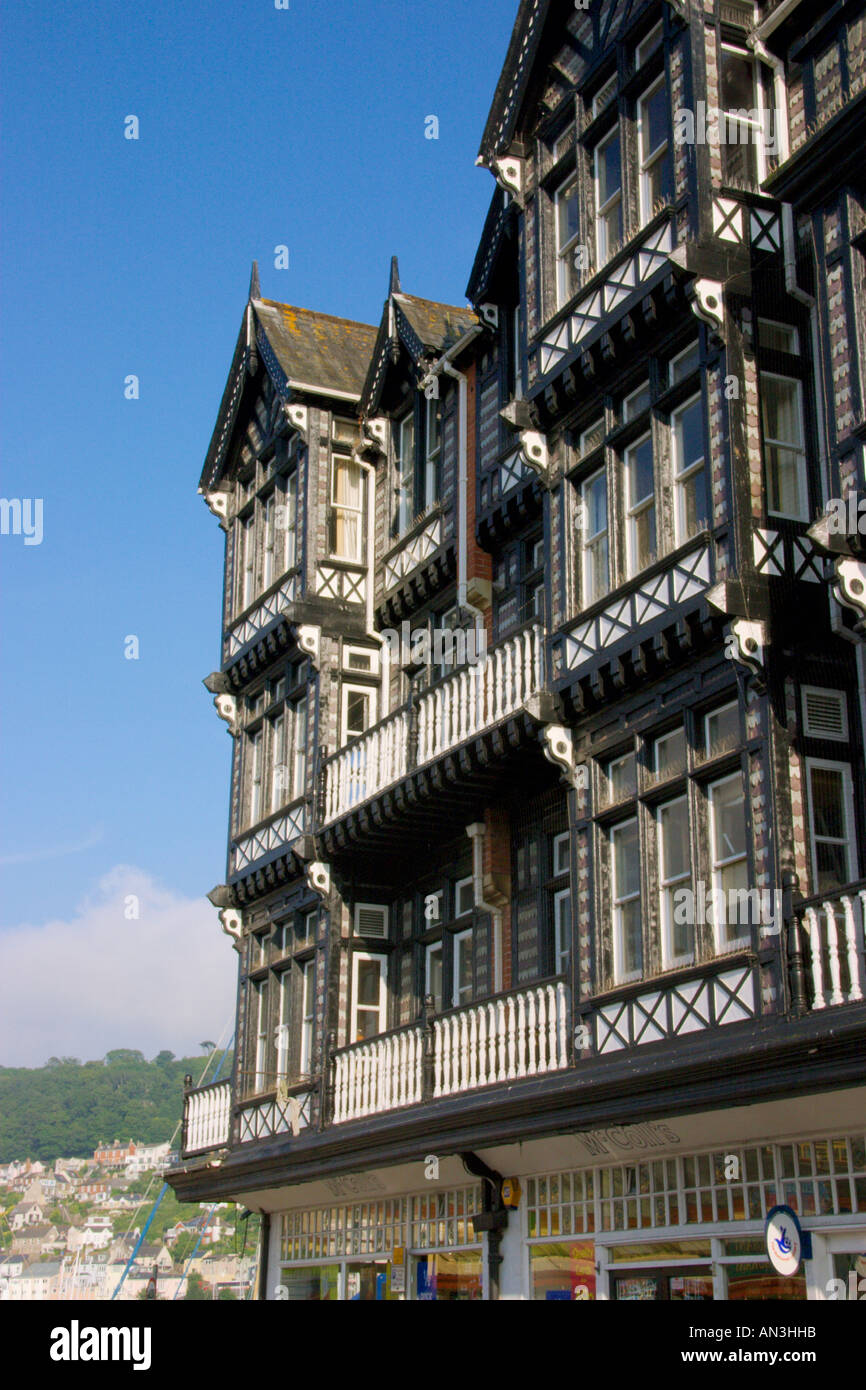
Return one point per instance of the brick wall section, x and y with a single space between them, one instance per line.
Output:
796 108
583 934
797 792
718 468
758 790
479 563
496 863
711 97
754 462
677 95
828 83
856 54
837 331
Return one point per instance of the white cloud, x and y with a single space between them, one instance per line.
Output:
103 979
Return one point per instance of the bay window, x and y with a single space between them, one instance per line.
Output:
308 1006
831 824
641 547
567 235
652 136
432 453
347 509
744 100
728 859
784 446
626 902
608 197
404 473
433 974
463 975
677 924
254 750
687 437
260 998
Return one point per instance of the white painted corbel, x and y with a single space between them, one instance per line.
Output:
218 503
490 314
318 876
232 924
508 172
226 707
309 641
708 303
298 417
751 640
851 583
559 749
534 449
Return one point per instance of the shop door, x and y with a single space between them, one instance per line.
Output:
452 1276
663 1285
368 1282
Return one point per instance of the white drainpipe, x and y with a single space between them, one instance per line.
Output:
371 570
476 832
445 364
803 297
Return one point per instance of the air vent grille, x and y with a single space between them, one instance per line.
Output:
371 919
824 714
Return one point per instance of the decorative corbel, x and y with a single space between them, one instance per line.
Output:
851 584
489 313
746 642
376 433
309 641
218 503
508 173
226 707
533 446
233 925
298 417
707 302
318 876
517 414
559 749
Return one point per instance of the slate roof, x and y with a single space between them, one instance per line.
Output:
317 350
515 74
437 326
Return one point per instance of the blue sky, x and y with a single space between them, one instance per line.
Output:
258 127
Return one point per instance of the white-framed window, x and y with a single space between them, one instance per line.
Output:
347 509
369 995
308 1010
432 452
404 473
433 974
604 96
625 895
595 542
463 986
784 446
748 121
831 824
677 922
300 710
464 896
636 402
285 522
722 728
649 44
683 363
778 337
607 166
247 562
622 777
687 439
567 214
592 437
561 930
652 139
362 659
516 373
669 753
358 704
641 549
260 996
282 1036
561 853
279 771
255 744
269 509
729 861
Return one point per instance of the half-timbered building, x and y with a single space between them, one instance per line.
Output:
543 661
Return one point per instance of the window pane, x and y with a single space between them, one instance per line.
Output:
670 751
828 813
722 727
653 120
729 819
626 877
640 472
609 169
674 825
568 221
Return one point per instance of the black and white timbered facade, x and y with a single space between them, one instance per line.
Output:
543 661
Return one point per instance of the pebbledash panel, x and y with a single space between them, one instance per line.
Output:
684 1227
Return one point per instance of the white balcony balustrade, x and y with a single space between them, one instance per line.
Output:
831 933
475 698
207 1117
503 1039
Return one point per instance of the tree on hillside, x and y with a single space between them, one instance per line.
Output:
123 1055
207 1046
162 1059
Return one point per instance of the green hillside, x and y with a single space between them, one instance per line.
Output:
67 1108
